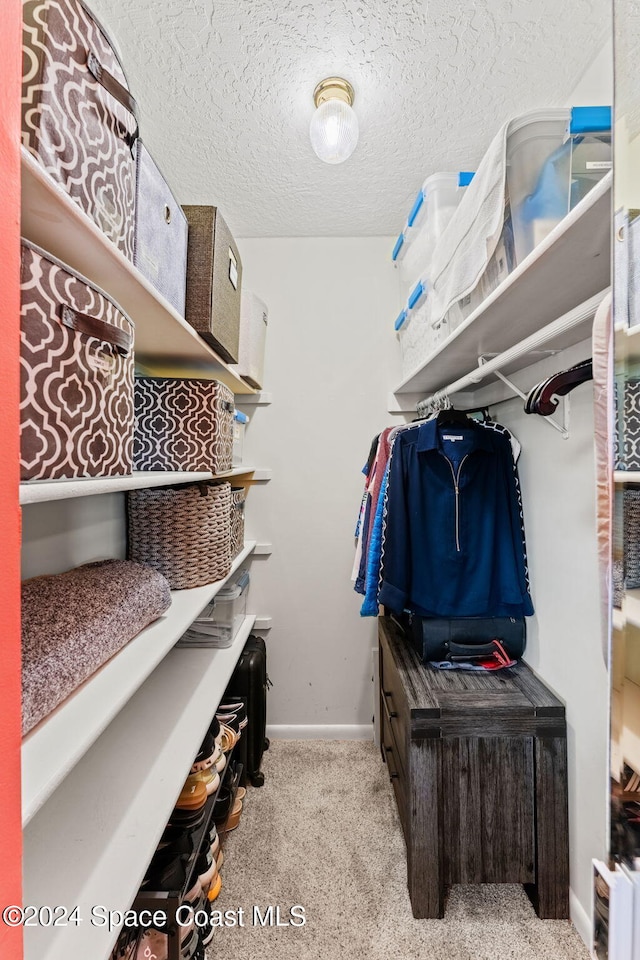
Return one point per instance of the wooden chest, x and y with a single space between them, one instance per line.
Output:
478 764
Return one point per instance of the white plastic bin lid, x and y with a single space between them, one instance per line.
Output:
236 588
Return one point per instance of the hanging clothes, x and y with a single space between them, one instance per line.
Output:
453 543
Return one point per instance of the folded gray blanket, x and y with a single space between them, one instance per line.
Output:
74 622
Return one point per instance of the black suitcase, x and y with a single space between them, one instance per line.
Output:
249 683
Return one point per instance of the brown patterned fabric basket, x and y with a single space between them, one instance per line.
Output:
183 424
79 119
238 497
182 532
76 371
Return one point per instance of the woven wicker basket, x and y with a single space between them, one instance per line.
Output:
237 520
183 532
631 539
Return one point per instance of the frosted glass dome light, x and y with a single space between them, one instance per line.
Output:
334 125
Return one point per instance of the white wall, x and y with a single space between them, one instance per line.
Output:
564 645
331 359
595 87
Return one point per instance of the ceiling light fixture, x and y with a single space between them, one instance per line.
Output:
334 125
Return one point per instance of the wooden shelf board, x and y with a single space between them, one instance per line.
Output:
571 265
51 219
92 842
54 747
41 491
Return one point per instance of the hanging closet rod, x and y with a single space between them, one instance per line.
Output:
585 311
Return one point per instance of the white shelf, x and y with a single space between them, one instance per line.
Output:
627 476
571 265
631 607
40 491
92 842
617 619
51 219
56 745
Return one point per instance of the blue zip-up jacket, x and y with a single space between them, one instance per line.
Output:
452 538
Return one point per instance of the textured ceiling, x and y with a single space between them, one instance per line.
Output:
225 88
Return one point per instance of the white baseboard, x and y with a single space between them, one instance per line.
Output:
330 731
581 920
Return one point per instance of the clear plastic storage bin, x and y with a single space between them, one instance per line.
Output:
419 336
554 157
221 619
240 421
431 212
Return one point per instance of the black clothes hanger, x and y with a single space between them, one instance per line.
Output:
466 413
452 416
543 398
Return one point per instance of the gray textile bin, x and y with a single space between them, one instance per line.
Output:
160 250
214 281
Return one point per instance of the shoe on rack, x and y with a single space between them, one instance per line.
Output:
206 749
193 795
195 894
219 859
189 947
233 713
209 776
154 944
127 945
206 869
234 816
222 806
216 887
214 730
165 876
229 738
215 846
188 820
241 793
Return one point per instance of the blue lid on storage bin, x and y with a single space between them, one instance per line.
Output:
590 119
465 178
400 320
417 295
240 417
398 247
415 209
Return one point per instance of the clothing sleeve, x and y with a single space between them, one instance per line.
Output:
517 529
370 603
395 569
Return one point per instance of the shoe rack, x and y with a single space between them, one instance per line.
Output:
170 901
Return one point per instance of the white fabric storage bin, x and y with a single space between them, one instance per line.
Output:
498 269
553 158
254 318
431 212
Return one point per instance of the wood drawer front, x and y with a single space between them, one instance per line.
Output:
395 770
393 697
488 809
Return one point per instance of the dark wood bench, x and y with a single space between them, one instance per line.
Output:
478 763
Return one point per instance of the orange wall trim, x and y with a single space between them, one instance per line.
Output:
10 817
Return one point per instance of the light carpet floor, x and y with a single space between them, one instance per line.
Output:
323 832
